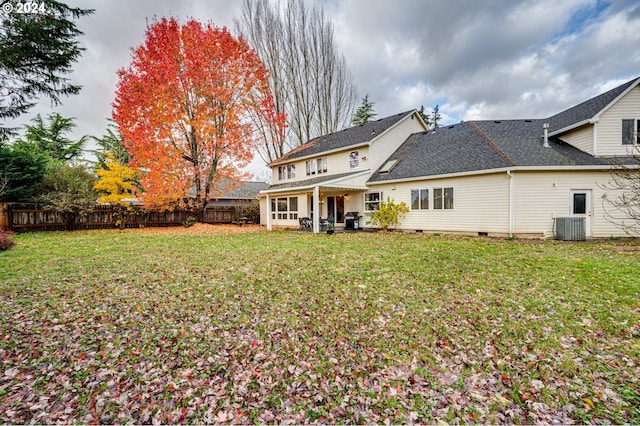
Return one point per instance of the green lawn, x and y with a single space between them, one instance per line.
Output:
176 326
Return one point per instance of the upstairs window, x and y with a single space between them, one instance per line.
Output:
317 166
287 172
354 159
630 131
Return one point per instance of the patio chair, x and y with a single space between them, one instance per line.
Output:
305 224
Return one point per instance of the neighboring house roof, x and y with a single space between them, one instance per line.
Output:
245 190
481 145
352 136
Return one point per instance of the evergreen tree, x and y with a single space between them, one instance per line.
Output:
364 113
49 138
436 117
21 170
425 117
112 144
37 51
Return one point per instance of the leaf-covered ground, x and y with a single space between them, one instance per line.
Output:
209 325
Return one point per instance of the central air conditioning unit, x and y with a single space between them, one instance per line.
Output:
570 228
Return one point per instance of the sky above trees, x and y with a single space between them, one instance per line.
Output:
503 59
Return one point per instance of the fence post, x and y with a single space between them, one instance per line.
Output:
4 215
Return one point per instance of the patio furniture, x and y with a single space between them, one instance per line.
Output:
305 224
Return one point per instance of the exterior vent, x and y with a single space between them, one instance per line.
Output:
570 228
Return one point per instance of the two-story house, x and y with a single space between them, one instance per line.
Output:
326 177
490 177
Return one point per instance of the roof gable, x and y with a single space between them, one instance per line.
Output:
587 110
352 136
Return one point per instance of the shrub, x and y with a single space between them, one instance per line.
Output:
190 221
389 214
6 239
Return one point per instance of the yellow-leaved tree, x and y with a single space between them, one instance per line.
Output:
116 181
389 214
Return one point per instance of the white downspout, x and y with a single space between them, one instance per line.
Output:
269 226
316 210
511 201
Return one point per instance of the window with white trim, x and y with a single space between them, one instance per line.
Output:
284 208
354 159
443 198
287 172
419 199
372 201
630 131
317 166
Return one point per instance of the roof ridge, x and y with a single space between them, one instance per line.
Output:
492 144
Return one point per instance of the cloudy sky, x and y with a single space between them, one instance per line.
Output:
484 59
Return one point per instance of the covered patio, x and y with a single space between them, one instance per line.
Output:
322 200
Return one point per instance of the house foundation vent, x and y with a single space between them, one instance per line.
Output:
570 228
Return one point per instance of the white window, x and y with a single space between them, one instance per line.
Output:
630 131
354 159
419 199
317 166
372 201
284 208
287 172
443 198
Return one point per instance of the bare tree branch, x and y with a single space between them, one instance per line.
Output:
309 79
622 203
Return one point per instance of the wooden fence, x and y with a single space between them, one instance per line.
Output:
4 215
20 217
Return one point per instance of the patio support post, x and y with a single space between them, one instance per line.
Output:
269 226
316 209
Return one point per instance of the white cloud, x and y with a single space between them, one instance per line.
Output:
478 60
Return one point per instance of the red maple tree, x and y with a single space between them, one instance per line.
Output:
186 107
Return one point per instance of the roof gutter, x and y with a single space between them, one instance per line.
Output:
601 167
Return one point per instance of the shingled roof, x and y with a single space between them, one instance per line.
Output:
481 145
587 109
496 144
352 136
246 190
